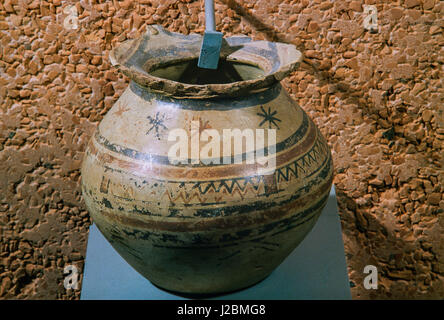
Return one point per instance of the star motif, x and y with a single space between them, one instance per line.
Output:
268 116
120 110
157 124
203 124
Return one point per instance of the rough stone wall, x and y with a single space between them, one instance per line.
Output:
378 97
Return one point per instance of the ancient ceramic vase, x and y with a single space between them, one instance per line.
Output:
195 226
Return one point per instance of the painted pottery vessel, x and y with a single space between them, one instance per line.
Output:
223 217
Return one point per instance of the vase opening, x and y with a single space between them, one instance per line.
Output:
187 71
166 62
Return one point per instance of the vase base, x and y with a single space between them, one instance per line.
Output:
209 295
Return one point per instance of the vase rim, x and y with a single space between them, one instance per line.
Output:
138 58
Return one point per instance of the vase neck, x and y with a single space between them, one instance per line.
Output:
166 62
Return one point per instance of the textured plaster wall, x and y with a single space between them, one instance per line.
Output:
378 97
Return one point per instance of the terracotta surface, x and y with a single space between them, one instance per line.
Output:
188 226
376 96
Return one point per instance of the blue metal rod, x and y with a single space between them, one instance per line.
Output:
209 15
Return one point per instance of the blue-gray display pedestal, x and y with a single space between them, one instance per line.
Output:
316 269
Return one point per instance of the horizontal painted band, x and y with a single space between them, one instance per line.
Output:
219 104
210 210
179 173
273 216
294 138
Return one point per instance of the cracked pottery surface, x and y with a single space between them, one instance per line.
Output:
204 228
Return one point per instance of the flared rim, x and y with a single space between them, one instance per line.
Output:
136 58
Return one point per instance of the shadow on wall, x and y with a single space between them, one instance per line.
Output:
324 77
392 255
398 257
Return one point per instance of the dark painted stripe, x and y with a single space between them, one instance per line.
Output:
259 205
218 104
276 210
157 159
229 239
197 182
263 205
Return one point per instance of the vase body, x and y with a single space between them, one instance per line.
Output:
194 226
